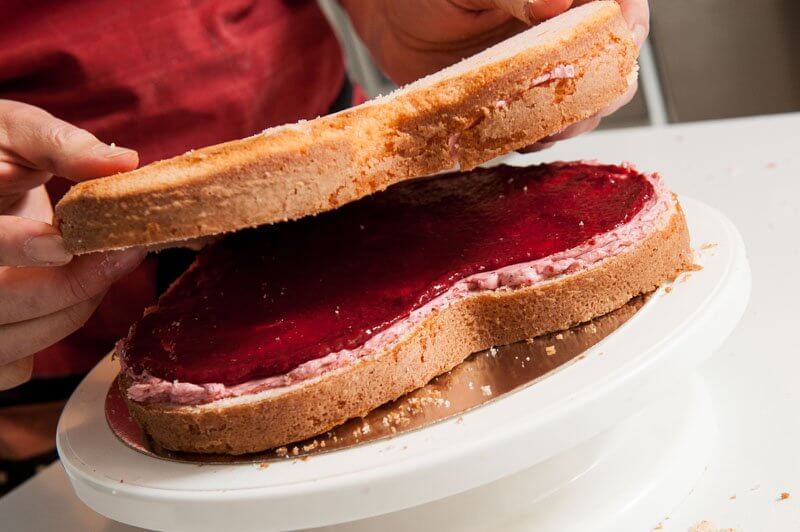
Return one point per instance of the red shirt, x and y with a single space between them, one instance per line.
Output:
162 77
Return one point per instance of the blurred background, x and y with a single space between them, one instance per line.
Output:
705 59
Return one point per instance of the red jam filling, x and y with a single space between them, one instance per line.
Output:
261 302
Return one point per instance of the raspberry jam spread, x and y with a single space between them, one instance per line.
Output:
261 302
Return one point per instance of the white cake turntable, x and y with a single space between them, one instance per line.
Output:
603 438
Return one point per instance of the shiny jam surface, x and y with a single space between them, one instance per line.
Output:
260 302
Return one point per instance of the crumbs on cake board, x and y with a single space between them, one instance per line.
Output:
311 446
708 526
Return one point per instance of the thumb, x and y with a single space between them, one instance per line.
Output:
44 142
528 11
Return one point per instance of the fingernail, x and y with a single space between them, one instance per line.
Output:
118 263
111 151
639 35
47 249
529 14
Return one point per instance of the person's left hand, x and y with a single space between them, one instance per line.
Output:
412 38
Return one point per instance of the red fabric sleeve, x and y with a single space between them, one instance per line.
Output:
162 77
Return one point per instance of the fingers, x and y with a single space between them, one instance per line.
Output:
16 179
41 141
573 130
19 340
29 293
528 11
34 204
25 242
539 10
16 373
636 14
536 146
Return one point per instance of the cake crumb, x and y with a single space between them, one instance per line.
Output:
708 526
311 446
282 451
667 289
732 498
559 336
486 390
784 495
708 245
263 465
295 450
493 351
550 350
659 526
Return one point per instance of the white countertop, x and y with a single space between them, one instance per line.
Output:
748 168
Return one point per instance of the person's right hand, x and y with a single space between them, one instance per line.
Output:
45 293
411 39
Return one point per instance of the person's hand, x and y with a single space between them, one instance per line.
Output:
412 38
45 293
